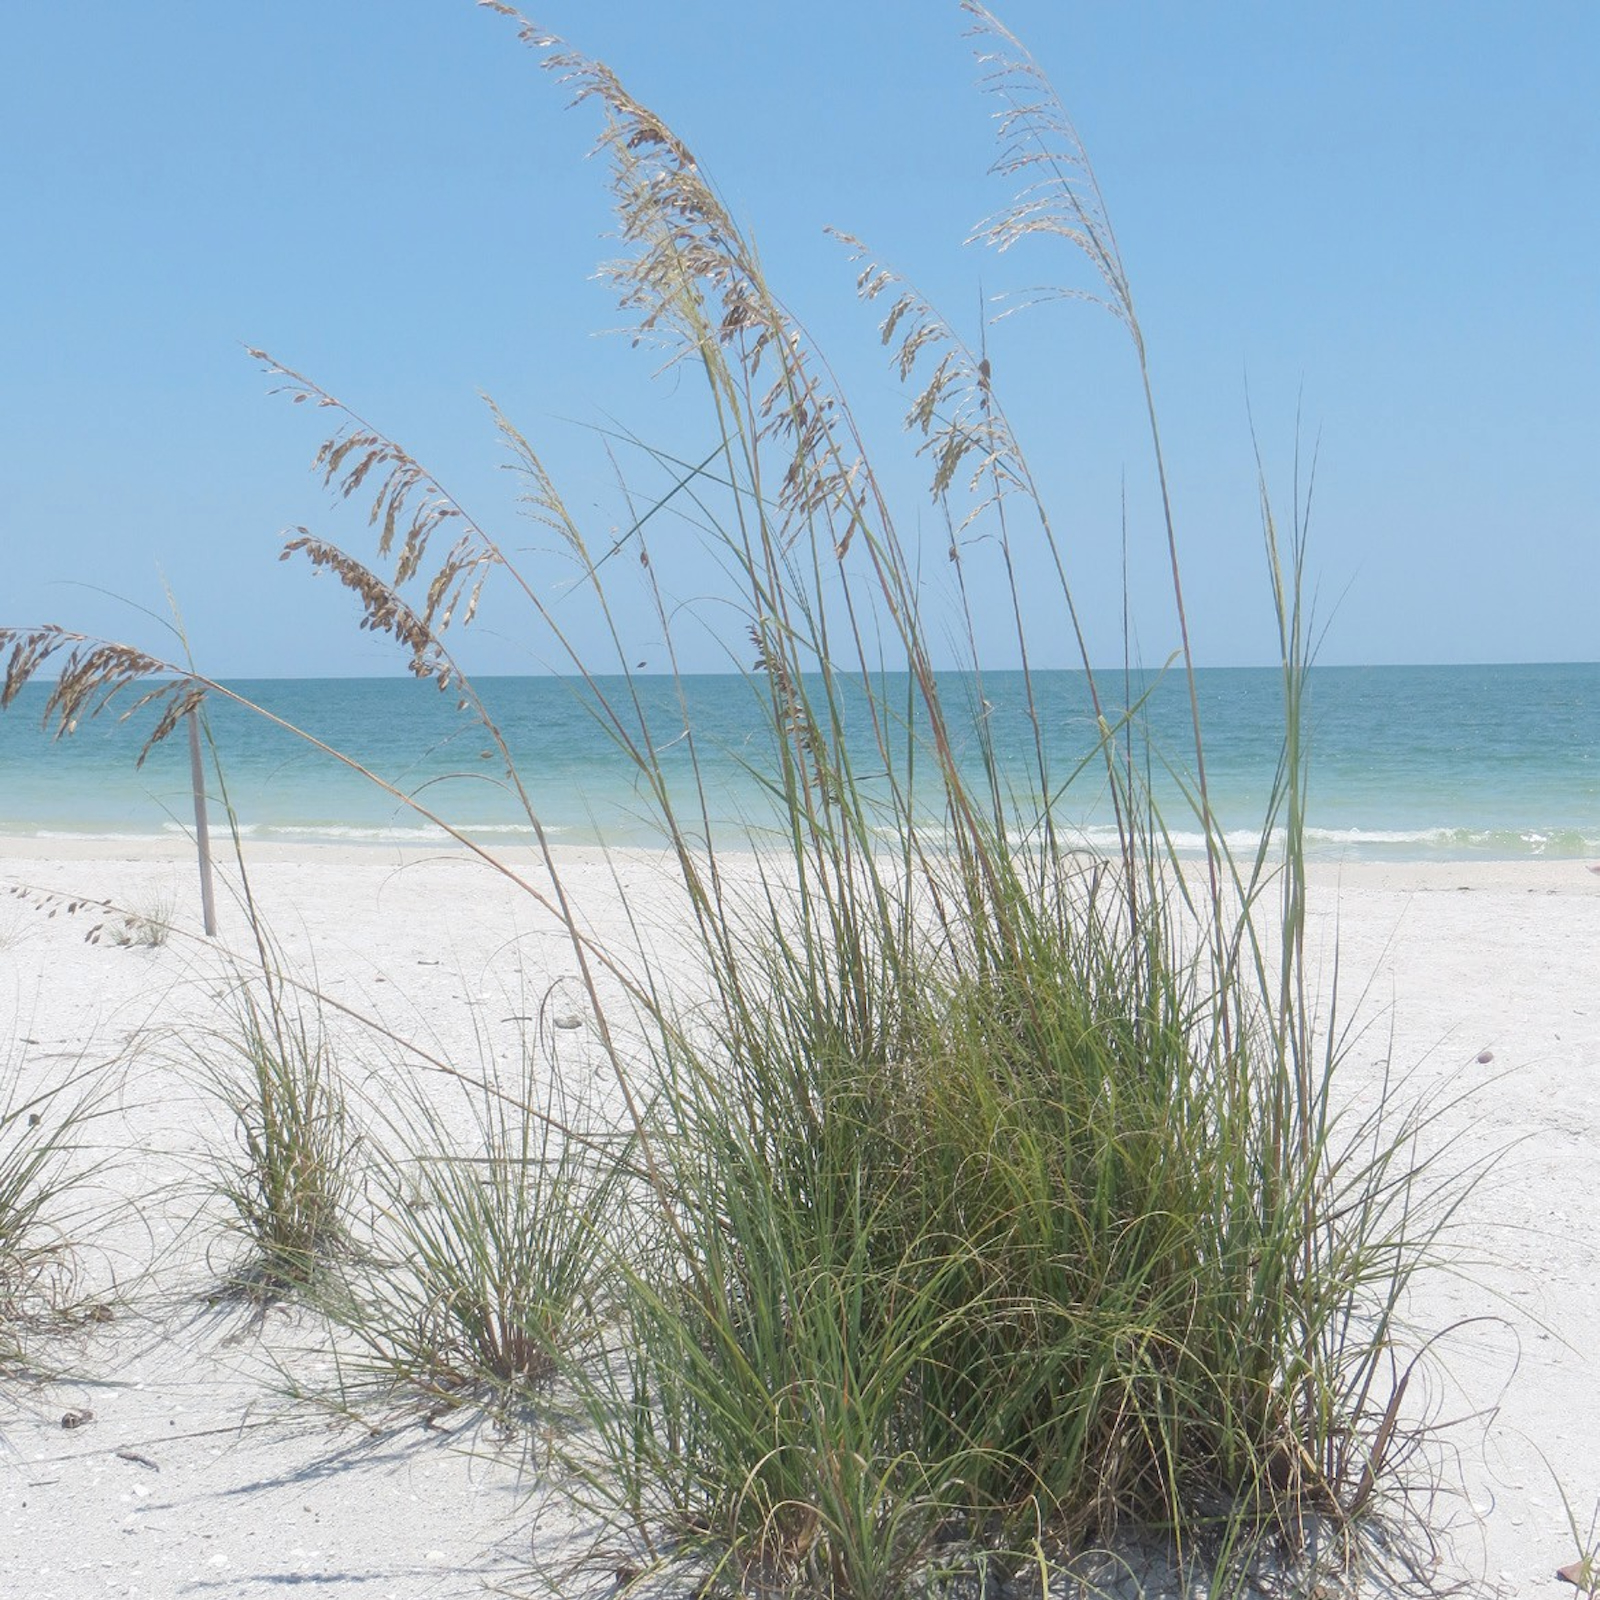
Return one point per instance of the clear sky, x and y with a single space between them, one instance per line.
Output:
1383 215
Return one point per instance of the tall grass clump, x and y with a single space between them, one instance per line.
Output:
146 927
289 1181
986 1196
480 1281
41 1146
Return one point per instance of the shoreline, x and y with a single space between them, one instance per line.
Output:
1421 872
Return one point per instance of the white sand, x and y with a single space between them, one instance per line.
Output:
195 1477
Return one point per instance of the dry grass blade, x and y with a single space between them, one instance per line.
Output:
1060 197
93 677
408 508
954 411
692 285
1042 159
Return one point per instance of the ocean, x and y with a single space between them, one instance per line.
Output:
1407 763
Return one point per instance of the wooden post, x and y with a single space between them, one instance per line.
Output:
202 829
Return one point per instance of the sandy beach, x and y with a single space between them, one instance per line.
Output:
152 1449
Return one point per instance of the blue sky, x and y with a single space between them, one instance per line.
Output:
1380 216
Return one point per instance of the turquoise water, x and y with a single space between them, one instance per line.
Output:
1408 762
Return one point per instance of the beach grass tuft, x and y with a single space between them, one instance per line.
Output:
288 1186
479 1279
42 1160
147 926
